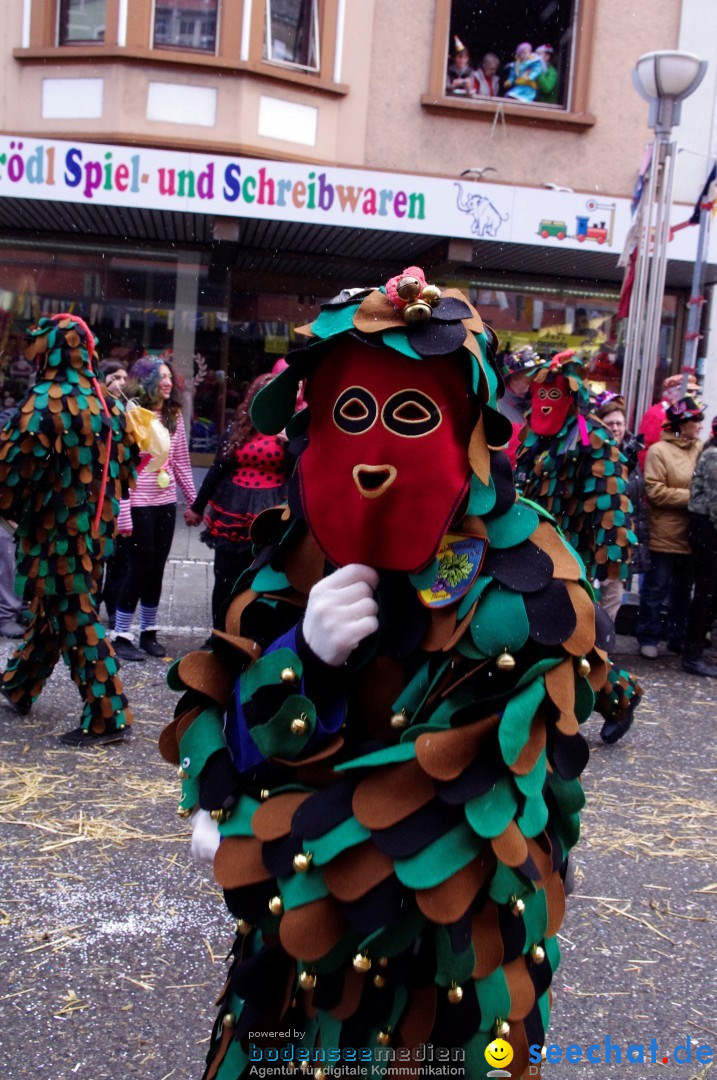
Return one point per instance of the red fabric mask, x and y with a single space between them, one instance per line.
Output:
387 462
550 404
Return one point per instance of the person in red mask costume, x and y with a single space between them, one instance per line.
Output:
364 751
570 465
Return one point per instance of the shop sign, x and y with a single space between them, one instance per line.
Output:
129 176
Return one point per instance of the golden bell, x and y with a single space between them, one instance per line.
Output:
501 1029
182 774
455 994
543 1053
264 794
517 906
505 662
379 982
184 811
584 668
418 311
383 1038
399 720
288 675
243 927
319 1074
276 905
432 295
299 726
219 815
383 961
362 962
307 980
302 862
229 1020
408 287
538 954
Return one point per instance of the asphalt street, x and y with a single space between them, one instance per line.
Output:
112 942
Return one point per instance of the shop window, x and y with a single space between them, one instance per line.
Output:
551 320
186 24
517 51
82 22
291 33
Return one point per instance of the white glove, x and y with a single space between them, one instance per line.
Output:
205 836
341 612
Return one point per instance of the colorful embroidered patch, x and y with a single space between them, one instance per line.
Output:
459 562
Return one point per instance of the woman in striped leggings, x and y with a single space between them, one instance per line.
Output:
150 513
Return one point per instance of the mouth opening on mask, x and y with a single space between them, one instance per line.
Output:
373 480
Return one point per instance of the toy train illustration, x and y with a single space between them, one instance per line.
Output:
583 230
597 232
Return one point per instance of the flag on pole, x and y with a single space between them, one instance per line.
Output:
628 281
695 219
628 258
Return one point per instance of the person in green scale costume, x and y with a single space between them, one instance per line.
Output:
381 752
570 465
65 461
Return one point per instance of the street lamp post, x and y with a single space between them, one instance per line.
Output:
664 79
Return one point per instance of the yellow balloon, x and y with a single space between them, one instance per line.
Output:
499 1053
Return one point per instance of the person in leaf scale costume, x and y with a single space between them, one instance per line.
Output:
65 461
571 466
384 742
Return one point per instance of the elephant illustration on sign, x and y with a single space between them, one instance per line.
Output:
486 219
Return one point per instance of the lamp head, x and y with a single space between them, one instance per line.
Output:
664 79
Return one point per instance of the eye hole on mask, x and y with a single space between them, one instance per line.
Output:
555 394
411 413
355 411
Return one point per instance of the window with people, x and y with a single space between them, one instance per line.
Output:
512 50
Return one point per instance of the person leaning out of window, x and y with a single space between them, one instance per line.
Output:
548 78
459 74
486 81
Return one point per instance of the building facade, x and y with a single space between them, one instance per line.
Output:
193 175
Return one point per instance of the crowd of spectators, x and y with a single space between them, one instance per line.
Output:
530 75
671 478
672 484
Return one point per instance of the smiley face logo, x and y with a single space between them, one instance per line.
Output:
499 1053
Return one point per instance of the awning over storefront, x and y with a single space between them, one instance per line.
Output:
315 255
